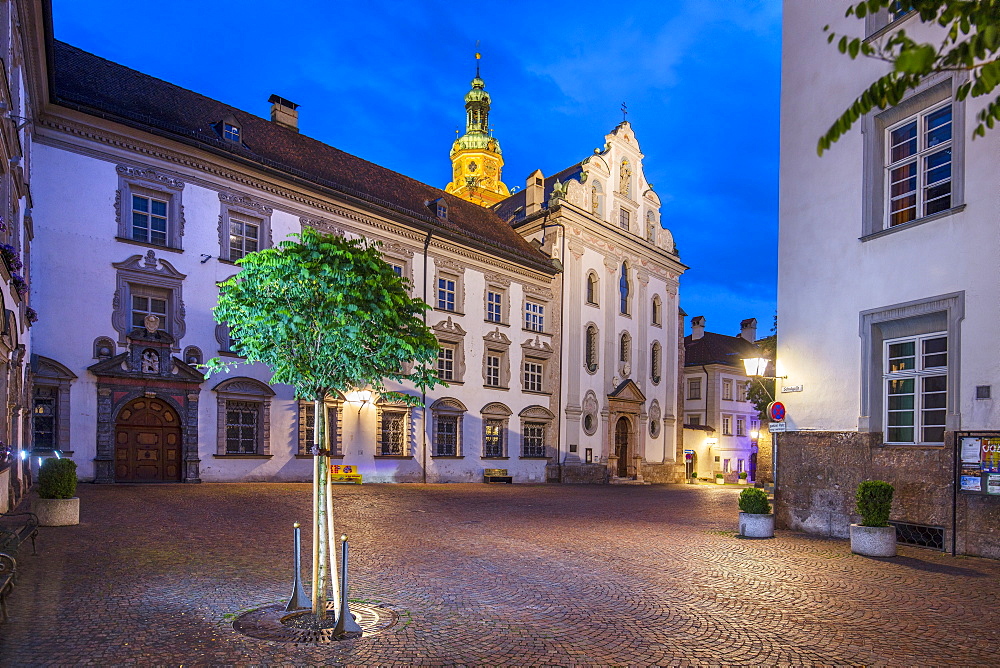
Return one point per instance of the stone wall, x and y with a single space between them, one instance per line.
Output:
818 473
661 473
584 473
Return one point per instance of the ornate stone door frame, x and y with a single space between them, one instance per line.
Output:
626 400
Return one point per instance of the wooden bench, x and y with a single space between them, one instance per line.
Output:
8 567
497 475
345 473
15 528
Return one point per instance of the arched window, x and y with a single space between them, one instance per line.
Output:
650 227
591 288
591 348
657 311
654 370
624 289
625 347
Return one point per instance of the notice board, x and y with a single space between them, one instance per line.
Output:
977 458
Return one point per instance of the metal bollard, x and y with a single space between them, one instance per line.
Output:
345 620
298 601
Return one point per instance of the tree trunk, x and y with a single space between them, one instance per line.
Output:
324 549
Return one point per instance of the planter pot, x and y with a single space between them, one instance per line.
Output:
755 525
720 481
57 512
873 541
741 481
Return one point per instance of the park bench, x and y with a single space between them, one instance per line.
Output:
8 567
497 475
345 473
15 528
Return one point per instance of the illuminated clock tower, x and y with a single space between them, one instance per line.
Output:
476 160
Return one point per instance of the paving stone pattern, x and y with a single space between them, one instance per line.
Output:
488 575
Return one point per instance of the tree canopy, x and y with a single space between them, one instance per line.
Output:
327 314
970 41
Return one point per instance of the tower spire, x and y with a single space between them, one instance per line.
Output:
475 156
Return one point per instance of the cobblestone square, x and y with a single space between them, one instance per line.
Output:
487 575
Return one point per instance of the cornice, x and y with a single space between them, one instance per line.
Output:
132 145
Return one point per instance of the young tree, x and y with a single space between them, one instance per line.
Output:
327 315
970 42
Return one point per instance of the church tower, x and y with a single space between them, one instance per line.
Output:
476 160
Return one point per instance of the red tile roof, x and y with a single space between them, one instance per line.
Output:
714 348
96 86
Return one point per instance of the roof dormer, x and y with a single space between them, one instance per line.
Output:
439 207
229 129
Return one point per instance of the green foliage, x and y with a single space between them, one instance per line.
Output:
754 500
327 314
719 475
874 499
971 43
57 479
743 475
694 474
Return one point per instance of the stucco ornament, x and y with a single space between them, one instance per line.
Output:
152 323
150 362
626 179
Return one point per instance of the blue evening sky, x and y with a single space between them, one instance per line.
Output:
385 81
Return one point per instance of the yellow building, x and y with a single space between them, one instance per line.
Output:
475 156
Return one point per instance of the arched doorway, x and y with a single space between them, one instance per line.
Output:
147 442
622 429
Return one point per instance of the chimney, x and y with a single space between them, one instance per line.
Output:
748 329
284 113
697 327
534 192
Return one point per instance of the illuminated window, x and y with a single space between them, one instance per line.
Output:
916 389
919 166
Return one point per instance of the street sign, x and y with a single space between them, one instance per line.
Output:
776 411
776 427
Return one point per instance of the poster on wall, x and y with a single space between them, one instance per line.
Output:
990 455
993 484
972 483
971 452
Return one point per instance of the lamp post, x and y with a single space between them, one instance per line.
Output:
756 368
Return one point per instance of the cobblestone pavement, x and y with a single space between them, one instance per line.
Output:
488 575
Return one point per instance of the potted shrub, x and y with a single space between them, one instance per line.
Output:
57 504
756 518
743 477
694 477
874 536
720 479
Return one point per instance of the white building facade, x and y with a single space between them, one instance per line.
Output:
600 219
887 300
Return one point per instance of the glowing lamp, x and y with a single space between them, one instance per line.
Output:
755 366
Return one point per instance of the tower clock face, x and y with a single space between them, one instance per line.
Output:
490 168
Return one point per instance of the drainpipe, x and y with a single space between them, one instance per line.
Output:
562 338
423 394
708 413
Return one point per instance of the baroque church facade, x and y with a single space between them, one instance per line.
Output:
170 189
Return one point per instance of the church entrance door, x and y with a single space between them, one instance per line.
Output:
621 446
147 442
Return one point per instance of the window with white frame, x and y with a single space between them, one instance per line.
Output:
446 361
147 301
231 133
727 389
494 305
446 293
533 439
741 426
494 360
916 388
742 391
918 165
592 288
727 425
534 373
149 219
244 236
693 420
694 388
534 316
624 218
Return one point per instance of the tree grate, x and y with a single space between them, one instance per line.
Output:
919 535
269 623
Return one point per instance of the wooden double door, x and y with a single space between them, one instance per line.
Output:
148 442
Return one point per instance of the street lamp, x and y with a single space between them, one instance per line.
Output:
756 368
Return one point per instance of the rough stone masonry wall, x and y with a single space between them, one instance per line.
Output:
818 473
